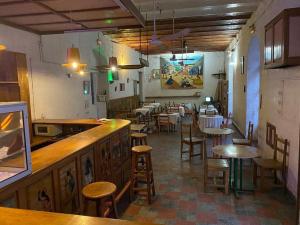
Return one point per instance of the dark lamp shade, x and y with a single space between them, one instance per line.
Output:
73 55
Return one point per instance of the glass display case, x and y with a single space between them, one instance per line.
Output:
15 158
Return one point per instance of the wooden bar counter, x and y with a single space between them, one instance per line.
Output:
29 217
62 169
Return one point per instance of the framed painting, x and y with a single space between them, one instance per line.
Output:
184 71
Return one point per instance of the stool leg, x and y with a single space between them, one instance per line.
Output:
145 140
152 176
254 174
133 166
148 179
114 206
85 206
99 208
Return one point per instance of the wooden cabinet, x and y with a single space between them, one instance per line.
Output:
282 35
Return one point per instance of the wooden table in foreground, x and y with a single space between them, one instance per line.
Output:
10 216
217 134
236 153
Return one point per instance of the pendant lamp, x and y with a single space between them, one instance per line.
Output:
2 47
113 63
73 59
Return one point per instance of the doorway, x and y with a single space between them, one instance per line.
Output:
253 85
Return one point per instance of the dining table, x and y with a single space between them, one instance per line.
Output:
217 134
210 121
236 155
143 111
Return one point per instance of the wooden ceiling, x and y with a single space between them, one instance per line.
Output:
58 16
212 24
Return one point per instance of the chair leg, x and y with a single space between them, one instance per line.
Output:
181 149
262 178
226 182
114 206
205 179
191 151
254 174
148 180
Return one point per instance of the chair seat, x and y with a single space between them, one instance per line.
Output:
138 135
98 190
194 140
240 141
268 163
217 163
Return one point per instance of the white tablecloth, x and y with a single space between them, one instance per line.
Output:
174 117
181 109
144 111
202 110
206 121
150 107
156 104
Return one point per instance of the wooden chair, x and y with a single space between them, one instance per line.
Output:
248 140
138 139
188 139
215 165
227 121
173 109
164 121
275 164
99 192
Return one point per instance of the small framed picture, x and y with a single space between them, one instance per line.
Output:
242 62
122 87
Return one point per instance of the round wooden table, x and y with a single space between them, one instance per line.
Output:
217 134
236 153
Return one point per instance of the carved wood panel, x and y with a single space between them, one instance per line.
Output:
87 166
40 195
116 152
68 188
104 170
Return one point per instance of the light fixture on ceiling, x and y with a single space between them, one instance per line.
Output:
2 47
73 59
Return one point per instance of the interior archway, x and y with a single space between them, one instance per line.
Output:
253 84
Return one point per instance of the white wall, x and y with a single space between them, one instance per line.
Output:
213 63
53 94
279 89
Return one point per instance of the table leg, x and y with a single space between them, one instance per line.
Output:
230 171
235 181
241 174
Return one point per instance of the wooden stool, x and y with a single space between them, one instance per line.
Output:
138 139
99 192
142 174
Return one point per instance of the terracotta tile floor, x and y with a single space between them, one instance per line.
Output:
181 200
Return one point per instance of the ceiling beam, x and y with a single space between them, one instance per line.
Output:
129 6
79 21
64 12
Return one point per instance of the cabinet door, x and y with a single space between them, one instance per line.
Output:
269 45
294 36
104 162
278 41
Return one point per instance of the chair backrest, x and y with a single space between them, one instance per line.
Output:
250 132
163 119
281 147
186 131
173 109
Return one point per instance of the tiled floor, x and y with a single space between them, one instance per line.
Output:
180 197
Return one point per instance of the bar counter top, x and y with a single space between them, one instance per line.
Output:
69 121
46 156
9 216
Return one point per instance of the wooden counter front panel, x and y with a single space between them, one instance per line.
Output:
58 187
